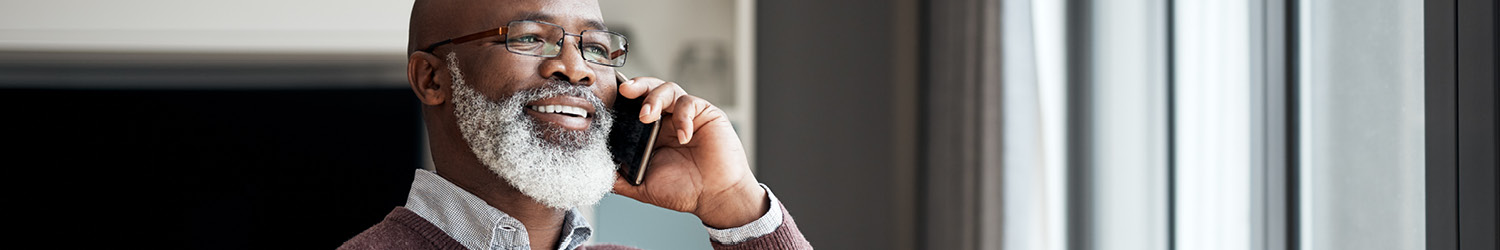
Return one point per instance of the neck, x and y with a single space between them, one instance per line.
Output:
543 224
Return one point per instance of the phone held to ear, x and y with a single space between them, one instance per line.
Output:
631 141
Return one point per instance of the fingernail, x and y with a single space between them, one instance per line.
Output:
682 137
645 110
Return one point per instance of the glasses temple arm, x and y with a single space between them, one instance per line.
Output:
435 45
467 38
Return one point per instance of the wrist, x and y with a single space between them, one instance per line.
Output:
735 208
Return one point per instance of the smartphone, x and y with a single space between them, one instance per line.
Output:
631 141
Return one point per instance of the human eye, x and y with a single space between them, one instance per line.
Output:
595 50
525 39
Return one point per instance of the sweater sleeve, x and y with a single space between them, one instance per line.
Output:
762 226
786 237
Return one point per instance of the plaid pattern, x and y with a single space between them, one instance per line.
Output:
476 224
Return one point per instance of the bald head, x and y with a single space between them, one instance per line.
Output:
436 20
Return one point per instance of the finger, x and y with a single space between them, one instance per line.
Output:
642 86
635 87
668 137
686 110
659 101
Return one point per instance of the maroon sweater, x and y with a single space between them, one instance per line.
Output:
403 229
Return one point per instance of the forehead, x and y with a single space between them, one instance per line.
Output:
572 14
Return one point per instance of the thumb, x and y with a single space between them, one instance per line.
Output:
624 188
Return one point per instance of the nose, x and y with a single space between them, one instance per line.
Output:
568 65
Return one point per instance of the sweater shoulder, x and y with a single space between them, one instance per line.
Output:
402 229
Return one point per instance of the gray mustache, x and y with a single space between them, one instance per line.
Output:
555 88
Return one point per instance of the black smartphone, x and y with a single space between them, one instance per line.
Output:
631 141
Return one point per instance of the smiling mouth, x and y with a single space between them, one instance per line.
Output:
561 109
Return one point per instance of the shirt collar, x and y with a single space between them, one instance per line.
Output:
476 224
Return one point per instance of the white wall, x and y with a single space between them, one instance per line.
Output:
321 26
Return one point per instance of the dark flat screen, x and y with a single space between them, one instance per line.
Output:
208 169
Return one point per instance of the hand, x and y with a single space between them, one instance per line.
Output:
699 165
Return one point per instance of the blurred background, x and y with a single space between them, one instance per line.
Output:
881 124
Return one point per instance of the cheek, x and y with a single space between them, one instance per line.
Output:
507 78
607 93
607 87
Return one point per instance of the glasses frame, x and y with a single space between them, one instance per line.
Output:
625 48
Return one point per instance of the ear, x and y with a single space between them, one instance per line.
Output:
421 72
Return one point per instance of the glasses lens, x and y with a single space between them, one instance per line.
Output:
603 47
533 38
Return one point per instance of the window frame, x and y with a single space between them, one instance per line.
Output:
1460 119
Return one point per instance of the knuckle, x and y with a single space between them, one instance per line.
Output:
715 111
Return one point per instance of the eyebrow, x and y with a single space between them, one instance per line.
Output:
538 16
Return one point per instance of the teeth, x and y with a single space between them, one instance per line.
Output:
560 109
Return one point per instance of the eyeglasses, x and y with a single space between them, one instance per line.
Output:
543 39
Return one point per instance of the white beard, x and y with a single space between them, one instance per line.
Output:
568 170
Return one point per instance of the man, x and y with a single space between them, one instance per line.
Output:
518 115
